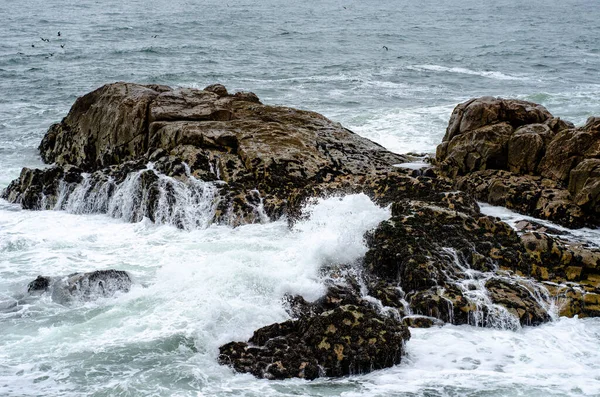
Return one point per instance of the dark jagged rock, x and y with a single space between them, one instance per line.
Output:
518 300
429 247
526 194
566 264
39 285
341 333
537 165
82 286
346 340
337 295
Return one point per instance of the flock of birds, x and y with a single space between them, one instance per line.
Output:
47 41
154 37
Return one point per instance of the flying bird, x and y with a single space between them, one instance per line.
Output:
62 46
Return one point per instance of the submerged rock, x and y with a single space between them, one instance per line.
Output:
419 321
82 286
39 285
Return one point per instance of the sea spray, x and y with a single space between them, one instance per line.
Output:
194 290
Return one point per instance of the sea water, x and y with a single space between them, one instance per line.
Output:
391 71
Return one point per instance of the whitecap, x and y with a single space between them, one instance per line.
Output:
496 75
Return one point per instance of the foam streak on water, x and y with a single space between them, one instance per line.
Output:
556 359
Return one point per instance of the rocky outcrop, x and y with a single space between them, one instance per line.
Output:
256 155
528 194
192 157
516 154
82 286
570 270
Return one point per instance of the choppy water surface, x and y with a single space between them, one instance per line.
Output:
198 289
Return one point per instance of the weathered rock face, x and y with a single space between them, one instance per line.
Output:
480 129
516 154
82 286
528 194
571 271
518 299
344 341
529 161
257 155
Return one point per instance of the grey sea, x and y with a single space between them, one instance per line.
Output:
391 71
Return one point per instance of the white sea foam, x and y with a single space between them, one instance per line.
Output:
417 130
413 165
459 70
553 359
194 290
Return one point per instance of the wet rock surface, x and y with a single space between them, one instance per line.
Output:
442 253
258 155
571 271
515 154
340 334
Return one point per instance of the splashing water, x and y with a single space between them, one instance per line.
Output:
189 203
210 285
193 291
472 284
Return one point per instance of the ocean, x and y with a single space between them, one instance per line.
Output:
391 71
